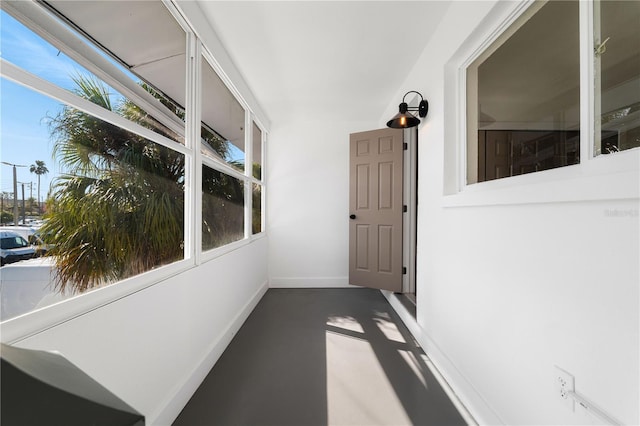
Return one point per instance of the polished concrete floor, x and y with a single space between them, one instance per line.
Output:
321 357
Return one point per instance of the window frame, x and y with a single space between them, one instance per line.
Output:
612 176
42 21
246 176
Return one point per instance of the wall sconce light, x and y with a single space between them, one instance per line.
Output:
404 119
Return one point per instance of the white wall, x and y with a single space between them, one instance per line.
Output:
308 201
505 292
154 347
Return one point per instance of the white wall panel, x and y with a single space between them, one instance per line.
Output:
153 348
505 292
308 205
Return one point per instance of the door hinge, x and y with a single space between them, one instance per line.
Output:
404 270
405 146
404 208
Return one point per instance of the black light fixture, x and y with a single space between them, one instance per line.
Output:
404 119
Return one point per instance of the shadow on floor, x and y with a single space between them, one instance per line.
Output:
321 357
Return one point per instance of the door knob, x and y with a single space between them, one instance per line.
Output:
353 216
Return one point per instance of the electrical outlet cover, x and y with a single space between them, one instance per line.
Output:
564 383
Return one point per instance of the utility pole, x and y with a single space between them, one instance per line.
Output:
15 191
30 198
24 221
24 215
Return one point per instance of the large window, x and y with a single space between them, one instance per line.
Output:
523 102
99 117
524 93
232 165
617 75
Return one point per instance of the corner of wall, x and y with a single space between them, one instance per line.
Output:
473 408
183 392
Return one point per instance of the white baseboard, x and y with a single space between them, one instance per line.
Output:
310 282
175 403
473 408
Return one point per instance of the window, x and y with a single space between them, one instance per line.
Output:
116 197
256 195
257 152
524 95
617 75
223 121
222 208
25 49
256 216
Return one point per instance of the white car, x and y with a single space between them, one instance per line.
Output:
14 248
31 234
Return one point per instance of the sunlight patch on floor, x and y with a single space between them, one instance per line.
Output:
390 330
345 322
358 391
415 366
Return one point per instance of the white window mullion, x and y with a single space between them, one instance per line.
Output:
590 66
223 167
193 172
248 170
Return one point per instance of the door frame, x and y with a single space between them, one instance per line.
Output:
410 218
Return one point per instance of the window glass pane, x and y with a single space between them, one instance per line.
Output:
523 97
222 120
257 209
222 208
113 202
155 54
29 51
257 152
617 75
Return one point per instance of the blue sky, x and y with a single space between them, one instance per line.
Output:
24 130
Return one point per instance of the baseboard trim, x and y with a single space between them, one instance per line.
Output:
176 402
309 282
472 407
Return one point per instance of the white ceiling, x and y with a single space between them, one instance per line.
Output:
335 59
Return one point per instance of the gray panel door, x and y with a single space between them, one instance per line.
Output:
375 209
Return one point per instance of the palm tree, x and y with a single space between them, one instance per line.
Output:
119 208
39 168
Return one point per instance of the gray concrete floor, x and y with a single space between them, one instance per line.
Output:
321 357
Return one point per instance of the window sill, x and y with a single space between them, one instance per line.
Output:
36 321
610 177
228 248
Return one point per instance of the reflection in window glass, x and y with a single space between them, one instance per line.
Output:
155 54
617 71
114 200
523 97
119 209
29 51
257 209
222 120
257 152
222 208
